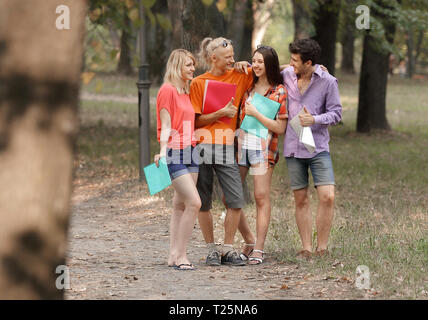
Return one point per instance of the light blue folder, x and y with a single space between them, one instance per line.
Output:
265 106
157 178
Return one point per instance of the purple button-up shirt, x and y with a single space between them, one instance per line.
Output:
322 100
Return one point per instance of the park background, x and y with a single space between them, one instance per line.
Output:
379 150
381 205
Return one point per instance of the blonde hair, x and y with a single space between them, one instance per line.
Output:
207 48
174 68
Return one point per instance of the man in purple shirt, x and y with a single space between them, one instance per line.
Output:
316 92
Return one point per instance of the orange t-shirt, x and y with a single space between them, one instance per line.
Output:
219 132
182 115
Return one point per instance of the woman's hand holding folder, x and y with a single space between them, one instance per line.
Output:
250 109
157 158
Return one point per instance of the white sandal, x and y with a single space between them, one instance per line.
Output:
243 256
259 260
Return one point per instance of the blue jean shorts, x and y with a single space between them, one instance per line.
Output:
321 169
181 161
249 157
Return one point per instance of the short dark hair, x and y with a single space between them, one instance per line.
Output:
308 49
271 61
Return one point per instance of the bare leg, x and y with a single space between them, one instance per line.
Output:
325 215
303 217
243 226
231 225
178 209
262 196
184 221
206 224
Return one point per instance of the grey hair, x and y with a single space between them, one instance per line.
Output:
207 47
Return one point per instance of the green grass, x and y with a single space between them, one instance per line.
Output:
112 84
381 217
381 208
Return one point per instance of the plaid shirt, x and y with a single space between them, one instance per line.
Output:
270 144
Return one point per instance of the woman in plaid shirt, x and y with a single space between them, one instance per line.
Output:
256 155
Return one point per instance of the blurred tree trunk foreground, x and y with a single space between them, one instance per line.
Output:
40 65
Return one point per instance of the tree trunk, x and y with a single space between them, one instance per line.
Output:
160 42
124 66
348 49
39 86
326 19
115 39
246 52
348 37
262 12
235 30
372 91
410 55
419 45
176 8
303 27
200 21
373 81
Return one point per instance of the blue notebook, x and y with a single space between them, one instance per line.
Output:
265 106
157 178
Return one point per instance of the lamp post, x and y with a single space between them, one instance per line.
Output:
143 86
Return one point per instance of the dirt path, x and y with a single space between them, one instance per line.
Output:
118 244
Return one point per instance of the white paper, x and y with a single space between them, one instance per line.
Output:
304 133
307 139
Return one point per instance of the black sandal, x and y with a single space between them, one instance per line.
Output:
179 267
243 255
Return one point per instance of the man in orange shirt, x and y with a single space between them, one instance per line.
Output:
216 147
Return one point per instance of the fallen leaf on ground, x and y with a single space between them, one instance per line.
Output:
306 277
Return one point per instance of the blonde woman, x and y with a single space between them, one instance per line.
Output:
175 133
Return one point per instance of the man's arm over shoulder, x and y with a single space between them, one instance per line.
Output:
287 72
333 107
287 68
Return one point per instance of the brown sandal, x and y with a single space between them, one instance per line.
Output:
304 254
321 253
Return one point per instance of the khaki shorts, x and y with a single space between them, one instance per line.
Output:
228 177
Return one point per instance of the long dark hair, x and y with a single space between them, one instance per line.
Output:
273 72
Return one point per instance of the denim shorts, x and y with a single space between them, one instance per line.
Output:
249 157
181 162
321 169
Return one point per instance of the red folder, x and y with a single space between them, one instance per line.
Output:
216 95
